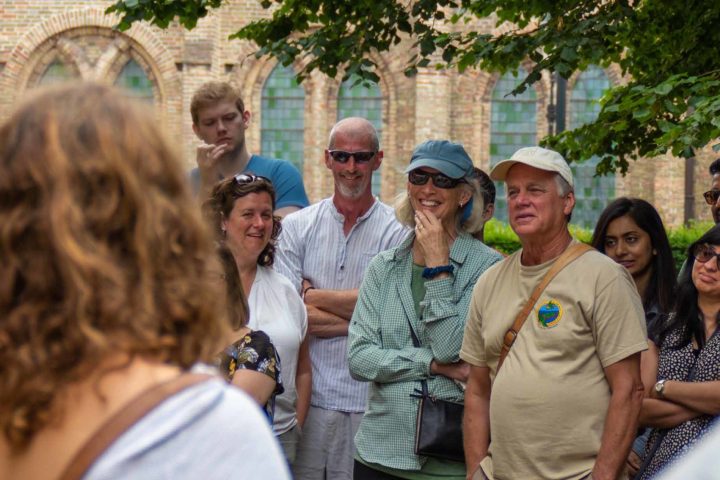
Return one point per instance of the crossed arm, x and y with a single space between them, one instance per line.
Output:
329 311
682 401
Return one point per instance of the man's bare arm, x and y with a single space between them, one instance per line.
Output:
337 302
476 420
621 421
325 324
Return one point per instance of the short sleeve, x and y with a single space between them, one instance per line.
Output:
289 187
473 346
618 321
268 361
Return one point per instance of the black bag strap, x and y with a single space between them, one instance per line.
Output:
423 392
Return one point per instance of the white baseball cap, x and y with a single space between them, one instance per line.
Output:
538 157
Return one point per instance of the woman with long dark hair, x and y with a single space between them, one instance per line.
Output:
681 370
631 232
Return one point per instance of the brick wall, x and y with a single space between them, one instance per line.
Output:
434 104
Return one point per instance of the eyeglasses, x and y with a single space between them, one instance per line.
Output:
245 178
421 177
704 253
711 196
342 156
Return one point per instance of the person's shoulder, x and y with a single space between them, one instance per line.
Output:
307 214
259 337
278 280
271 166
503 266
599 264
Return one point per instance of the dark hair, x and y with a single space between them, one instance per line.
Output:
660 289
487 185
714 167
222 200
686 315
237 305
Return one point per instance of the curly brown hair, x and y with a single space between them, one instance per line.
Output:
222 200
102 251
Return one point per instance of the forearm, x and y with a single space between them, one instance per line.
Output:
370 363
476 420
303 382
338 302
325 324
443 320
303 385
619 431
702 397
664 414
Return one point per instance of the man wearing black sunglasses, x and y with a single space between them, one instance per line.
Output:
324 250
712 196
220 120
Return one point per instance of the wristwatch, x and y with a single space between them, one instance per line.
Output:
660 388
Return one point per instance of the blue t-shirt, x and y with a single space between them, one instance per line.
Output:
288 183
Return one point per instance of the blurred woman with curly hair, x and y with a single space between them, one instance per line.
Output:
106 300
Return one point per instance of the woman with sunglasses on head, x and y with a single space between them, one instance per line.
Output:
251 362
681 369
631 232
241 211
407 328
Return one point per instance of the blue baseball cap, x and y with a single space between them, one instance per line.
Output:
449 158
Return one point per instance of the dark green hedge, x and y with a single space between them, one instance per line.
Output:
500 236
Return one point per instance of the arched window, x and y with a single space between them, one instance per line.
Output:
283 108
56 72
362 101
512 126
134 79
591 193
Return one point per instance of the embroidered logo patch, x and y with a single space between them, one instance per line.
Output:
549 314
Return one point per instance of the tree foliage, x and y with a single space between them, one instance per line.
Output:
669 51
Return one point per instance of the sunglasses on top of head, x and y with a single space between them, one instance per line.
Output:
245 178
711 196
342 156
421 177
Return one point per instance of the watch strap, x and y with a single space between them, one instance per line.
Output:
432 272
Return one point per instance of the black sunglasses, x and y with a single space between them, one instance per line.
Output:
704 253
711 196
421 177
245 178
342 156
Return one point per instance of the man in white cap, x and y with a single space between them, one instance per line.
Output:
565 403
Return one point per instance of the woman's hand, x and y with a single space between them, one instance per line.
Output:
459 371
431 239
633 463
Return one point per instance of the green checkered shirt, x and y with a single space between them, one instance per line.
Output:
381 351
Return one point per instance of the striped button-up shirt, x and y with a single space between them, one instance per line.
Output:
313 246
381 348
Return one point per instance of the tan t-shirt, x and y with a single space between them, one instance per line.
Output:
549 402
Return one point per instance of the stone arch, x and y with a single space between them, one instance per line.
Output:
49 34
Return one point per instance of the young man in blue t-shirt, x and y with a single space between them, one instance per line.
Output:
220 120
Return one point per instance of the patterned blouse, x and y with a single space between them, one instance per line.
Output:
254 351
676 365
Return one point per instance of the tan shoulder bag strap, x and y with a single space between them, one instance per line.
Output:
564 260
128 415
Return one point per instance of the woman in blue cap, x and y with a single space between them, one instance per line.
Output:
407 328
